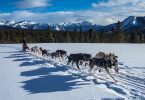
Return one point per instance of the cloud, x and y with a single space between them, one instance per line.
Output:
103 13
33 3
47 17
96 17
114 10
115 3
94 5
121 5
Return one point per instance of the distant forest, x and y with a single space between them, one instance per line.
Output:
77 36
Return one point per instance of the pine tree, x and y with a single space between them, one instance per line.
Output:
137 39
120 36
133 37
50 36
81 35
128 38
142 39
75 35
67 38
101 37
114 36
91 38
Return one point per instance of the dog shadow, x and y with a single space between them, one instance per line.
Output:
49 82
31 62
15 54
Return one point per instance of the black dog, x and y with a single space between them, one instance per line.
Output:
77 58
53 55
61 53
45 53
87 57
102 63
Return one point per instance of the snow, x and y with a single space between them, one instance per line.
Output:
34 25
23 27
57 28
131 20
134 22
25 76
9 23
2 23
26 23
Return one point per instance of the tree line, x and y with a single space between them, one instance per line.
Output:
116 35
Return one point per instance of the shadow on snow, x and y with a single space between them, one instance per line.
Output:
50 82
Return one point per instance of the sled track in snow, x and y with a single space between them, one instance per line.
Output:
83 75
128 86
134 84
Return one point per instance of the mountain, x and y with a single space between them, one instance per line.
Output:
23 24
133 23
128 24
63 26
85 25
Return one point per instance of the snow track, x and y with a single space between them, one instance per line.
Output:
130 85
84 75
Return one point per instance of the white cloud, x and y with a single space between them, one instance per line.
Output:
94 5
121 4
114 10
50 17
33 3
113 3
97 17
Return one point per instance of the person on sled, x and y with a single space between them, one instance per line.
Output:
25 46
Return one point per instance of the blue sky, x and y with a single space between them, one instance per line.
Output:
55 5
100 12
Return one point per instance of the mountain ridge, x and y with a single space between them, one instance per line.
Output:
127 24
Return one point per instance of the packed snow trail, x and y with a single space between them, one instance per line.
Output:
27 77
38 71
84 75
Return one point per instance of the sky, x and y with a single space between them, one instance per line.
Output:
101 12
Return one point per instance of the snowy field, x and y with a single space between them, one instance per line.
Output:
24 76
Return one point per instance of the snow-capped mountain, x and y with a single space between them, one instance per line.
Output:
23 24
127 24
62 26
130 23
85 25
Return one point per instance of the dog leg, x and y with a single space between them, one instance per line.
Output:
68 61
77 63
107 71
91 65
116 70
72 62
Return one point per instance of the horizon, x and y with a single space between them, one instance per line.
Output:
67 22
100 12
